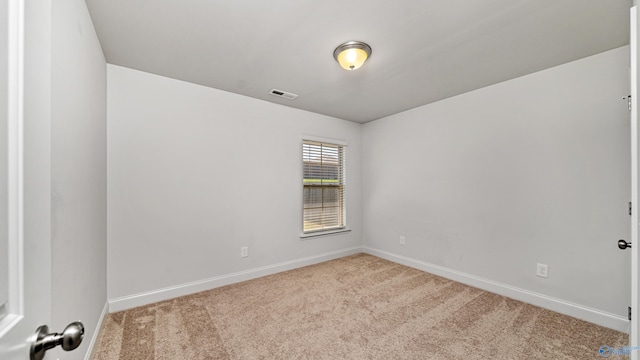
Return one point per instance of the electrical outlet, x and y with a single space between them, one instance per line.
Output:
402 241
542 270
244 251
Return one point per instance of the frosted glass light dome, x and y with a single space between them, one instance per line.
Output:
352 55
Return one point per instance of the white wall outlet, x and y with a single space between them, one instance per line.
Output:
542 270
244 251
402 241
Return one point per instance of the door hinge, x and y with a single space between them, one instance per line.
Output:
628 98
630 204
629 312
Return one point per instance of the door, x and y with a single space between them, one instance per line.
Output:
634 333
27 73
25 188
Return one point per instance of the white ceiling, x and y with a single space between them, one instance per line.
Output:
423 50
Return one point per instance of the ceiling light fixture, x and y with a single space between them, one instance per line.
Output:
352 54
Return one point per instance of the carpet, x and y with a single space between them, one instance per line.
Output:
357 307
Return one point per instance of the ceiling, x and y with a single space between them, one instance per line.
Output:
423 50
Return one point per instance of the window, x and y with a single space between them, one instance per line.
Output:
324 186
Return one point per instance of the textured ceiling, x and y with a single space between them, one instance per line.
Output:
423 50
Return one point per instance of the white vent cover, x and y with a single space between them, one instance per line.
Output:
283 94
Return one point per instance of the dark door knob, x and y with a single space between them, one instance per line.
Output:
623 244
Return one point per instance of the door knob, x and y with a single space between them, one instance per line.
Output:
42 340
623 244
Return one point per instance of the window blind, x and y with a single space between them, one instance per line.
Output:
324 186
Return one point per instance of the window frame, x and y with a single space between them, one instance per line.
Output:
343 161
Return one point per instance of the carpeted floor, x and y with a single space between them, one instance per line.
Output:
358 307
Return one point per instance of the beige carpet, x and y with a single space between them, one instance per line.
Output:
358 307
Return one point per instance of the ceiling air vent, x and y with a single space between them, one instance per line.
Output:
283 94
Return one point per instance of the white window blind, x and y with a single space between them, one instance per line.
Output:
324 186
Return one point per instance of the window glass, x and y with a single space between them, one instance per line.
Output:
324 186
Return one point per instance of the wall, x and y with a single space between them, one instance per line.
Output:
195 173
78 171
487 184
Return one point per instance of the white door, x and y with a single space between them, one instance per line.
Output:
25 253
634 333
26 283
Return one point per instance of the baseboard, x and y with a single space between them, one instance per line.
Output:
96 332
128 302
558 305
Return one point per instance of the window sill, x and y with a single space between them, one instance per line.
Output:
304 236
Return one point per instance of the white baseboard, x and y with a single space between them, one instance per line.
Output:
558 305
96 332
131 301
554 304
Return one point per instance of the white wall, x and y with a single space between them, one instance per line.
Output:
491 182
78 170
195 173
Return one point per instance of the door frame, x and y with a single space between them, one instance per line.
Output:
634 326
